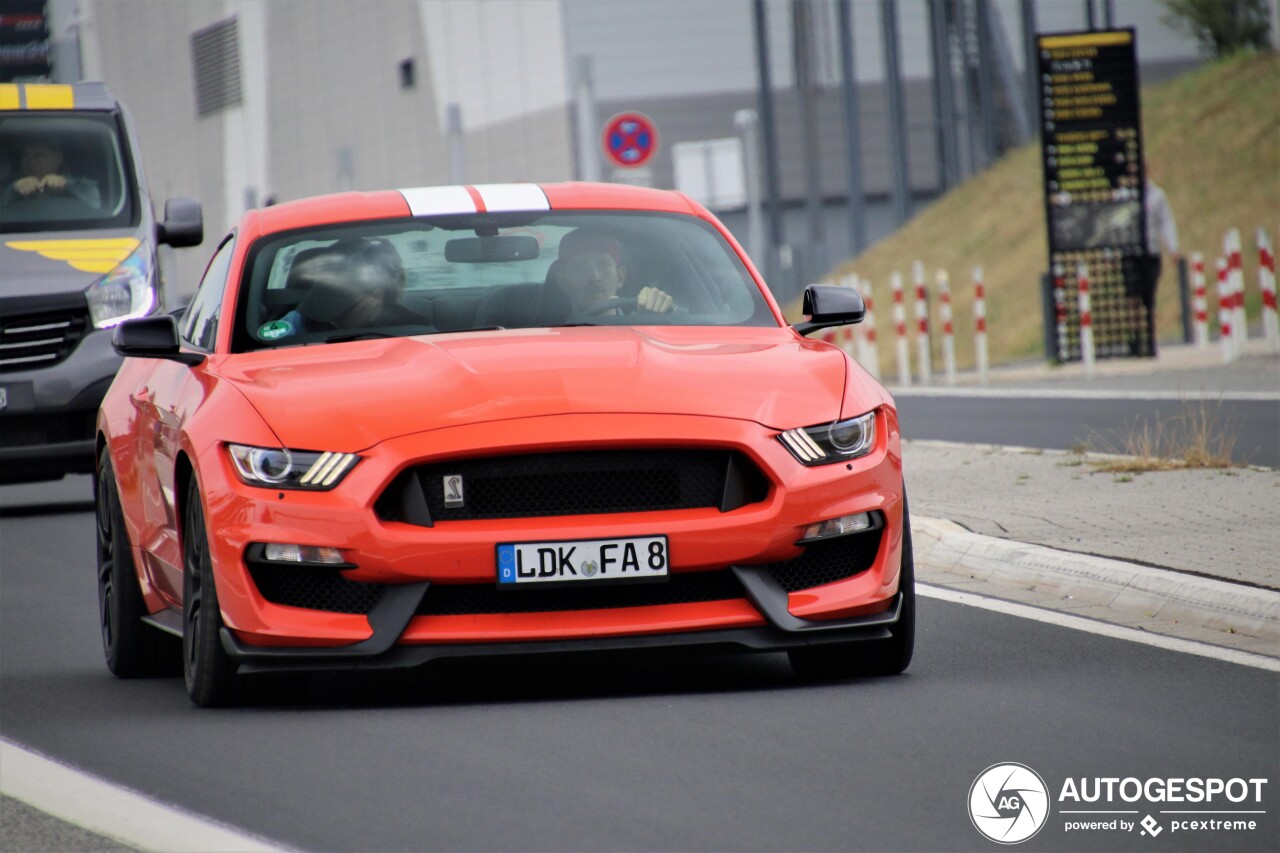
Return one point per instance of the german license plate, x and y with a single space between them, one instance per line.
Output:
585 560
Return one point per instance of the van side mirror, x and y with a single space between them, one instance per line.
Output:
828 305
151 337
183 223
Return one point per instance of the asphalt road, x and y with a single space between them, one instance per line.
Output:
627 752
1105 425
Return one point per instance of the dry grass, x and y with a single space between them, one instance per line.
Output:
1199 437
1211 140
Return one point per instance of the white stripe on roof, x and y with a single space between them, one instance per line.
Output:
501 197
438 201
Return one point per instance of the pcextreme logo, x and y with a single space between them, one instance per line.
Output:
1008 803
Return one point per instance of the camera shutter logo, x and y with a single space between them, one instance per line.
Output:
1008 803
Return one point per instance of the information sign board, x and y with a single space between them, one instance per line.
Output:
1091 149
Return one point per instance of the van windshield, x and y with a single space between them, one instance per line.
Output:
63 172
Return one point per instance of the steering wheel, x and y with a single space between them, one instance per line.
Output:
626 303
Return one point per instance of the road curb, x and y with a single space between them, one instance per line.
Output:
946 547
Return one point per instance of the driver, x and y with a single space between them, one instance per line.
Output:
592 272
41 173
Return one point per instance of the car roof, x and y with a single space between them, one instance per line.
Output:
471 198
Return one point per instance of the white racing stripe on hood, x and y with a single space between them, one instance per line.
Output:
505 197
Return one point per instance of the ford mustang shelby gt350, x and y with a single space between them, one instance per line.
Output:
405 425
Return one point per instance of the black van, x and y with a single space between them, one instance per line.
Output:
78 241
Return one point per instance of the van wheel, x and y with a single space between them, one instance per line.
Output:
133 649
208 672
875 657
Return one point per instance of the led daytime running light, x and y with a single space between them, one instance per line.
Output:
283 468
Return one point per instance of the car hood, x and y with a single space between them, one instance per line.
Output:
365 392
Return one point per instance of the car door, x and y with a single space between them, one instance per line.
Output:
173 394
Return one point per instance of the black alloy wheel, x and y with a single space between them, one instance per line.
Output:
208 672
133 649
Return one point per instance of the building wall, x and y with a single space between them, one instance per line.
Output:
327 108
339 117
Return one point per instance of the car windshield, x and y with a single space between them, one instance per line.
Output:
392 278
63 172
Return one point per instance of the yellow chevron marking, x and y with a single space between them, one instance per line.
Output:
83 255
8 96
50 96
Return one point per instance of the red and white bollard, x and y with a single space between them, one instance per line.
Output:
1235 276
868 348
980 324
924 353
1060 311
848 333
948 329
1086 320
1226 302
1201 300
900 331
1267 282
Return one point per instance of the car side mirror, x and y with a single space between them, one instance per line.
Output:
183 223
827 305
151 337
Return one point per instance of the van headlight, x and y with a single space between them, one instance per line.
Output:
126 292
834 442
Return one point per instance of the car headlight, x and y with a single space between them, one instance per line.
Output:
126 292
282 468
834 442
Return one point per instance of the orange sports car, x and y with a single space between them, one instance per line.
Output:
413 424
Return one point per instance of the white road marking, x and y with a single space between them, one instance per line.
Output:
1088 394
126 816
1105 629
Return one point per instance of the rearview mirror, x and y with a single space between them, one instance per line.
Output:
502 248
827 305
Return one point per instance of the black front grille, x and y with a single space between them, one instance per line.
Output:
41 339
35 430
576 483
471 599
314 588
828 561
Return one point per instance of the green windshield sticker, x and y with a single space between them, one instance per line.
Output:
275 329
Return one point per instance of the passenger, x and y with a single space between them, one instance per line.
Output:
354 286
41 173
591 271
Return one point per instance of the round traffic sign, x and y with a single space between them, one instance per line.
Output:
629 139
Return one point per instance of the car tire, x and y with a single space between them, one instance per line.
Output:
869 658
133 649
208 671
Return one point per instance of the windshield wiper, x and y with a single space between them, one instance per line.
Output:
358 336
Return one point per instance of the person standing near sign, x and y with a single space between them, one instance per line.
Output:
1162 232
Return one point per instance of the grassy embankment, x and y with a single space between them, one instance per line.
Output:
1212 140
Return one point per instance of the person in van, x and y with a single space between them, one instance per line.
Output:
41 172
